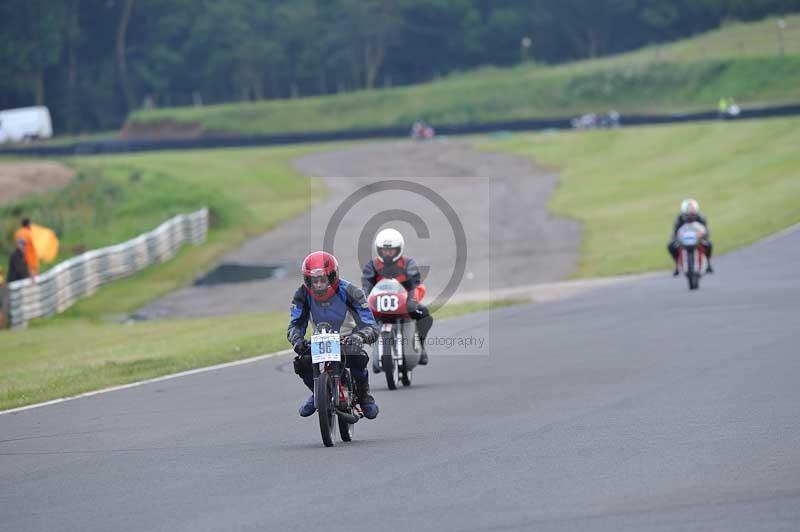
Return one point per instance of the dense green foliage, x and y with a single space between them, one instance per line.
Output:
93 61
626 186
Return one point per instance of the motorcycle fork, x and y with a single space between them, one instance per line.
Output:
398 351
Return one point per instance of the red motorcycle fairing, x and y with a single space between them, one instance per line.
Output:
699 257
388 300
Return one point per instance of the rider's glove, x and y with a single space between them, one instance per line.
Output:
417 310
301 347
355 341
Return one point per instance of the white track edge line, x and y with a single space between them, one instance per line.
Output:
774 236
779 234
149 381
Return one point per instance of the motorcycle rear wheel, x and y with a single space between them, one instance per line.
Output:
391 370
346 429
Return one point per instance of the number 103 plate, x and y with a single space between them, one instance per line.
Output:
325 348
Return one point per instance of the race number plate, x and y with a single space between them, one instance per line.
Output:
325 348
689 239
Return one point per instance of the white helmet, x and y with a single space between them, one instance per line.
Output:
389 239
690 206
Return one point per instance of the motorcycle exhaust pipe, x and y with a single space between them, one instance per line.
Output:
346 416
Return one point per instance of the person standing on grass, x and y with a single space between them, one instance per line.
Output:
3 299
17 265
17 270
31 258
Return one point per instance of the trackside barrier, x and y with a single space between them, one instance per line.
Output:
57 289
228 141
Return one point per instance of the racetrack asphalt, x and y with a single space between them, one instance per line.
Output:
636 407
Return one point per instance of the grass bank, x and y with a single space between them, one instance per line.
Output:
625 186
70 357
115 198
739 60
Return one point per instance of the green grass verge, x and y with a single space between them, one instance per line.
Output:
625 186
738 60
114 198
72 356
451 310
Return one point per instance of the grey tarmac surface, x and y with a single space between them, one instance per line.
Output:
636 407
501 201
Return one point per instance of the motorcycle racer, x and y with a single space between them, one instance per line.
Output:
690 212
391 263
325 298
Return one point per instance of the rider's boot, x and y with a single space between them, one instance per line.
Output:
367 402
675 272
308 408
709 269
423 356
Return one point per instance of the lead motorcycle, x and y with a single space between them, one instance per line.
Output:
334 387
398 348
692 260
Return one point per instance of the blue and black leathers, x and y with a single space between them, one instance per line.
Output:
347 312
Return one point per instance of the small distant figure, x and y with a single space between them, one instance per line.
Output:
733 107
608 120
614 118
17 265
728 108
31 257
722 107
422 131
3 298
690 213
17 270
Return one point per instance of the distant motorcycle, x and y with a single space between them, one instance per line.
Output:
692 259
422 131
398 348
334 388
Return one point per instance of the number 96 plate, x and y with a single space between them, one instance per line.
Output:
325 348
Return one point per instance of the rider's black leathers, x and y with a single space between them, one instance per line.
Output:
682 219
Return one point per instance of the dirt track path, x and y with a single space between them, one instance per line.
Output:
22 178
500 200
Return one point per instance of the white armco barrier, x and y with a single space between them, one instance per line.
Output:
57 289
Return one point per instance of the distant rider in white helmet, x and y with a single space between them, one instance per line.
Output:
690 212
390 263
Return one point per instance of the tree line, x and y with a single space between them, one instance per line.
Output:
93 61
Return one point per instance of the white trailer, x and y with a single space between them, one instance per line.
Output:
25 123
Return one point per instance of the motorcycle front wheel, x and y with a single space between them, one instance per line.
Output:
323 393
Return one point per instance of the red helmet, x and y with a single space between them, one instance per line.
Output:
318 267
